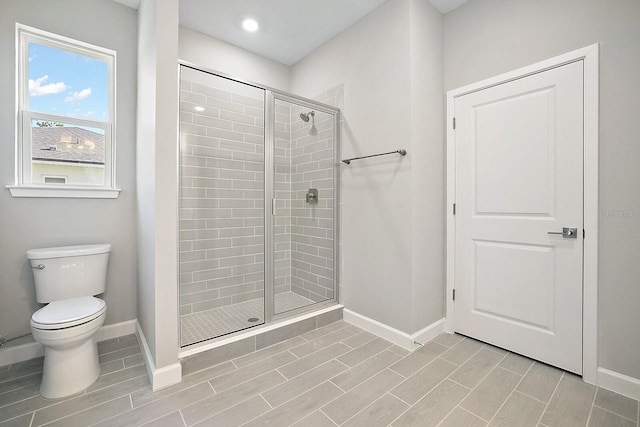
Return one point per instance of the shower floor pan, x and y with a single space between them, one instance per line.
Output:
220 321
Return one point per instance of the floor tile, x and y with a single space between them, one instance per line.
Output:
238 414
343 373
159 408
301 366
359 339
485 400
448 340
516 363
234 378
298 408
519 410
316 419
324 330
379 414
463 351
417 360
418 385
23 421
217 355
461 418
365 370
260 355
203 409
146 395
302 383
321 342
434 407
352 402
50 410
172 420
540 381
570 404
601 418
365 351
616 403
92 415
476 368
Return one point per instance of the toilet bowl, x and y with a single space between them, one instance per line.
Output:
67 278
67 331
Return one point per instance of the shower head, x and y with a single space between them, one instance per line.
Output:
305 116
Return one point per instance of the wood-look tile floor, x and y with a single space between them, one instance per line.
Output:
335 375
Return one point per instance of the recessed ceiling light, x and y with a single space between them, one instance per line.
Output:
198 108
250 25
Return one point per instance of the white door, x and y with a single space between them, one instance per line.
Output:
519 176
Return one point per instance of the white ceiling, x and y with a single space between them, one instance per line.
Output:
290 29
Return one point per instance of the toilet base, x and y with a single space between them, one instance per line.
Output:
68 371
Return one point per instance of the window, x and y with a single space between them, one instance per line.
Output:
66 116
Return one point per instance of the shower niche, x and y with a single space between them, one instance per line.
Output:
258 200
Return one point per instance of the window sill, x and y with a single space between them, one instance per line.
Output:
69 192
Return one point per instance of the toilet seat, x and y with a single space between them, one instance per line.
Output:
68 313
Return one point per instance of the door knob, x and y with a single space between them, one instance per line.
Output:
567 233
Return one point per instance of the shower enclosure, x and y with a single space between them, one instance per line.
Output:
258 205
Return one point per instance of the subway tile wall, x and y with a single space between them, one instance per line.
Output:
221 193
312 224
222 196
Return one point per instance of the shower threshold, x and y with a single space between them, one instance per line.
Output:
204 325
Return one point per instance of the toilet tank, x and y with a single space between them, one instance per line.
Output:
69 271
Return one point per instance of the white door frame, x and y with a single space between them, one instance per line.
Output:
589 55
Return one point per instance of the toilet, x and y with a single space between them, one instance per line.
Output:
67 278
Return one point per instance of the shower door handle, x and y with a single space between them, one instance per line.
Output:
273 207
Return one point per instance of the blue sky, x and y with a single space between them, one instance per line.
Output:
66 83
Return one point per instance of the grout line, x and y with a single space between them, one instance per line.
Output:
550 398
469 412
33 416
475 387
609 411
328 417
512 392
184 423
593 401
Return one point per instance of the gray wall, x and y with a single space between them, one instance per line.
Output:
390 63
487 37
27 223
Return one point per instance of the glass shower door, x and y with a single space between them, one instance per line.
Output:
304 224
221 229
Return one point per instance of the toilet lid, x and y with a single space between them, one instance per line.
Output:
67 313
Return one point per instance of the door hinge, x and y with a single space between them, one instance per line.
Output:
454 208
454 122
454 294
584 233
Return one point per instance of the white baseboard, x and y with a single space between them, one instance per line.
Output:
396 336
116 330
159 377
30 350
621 384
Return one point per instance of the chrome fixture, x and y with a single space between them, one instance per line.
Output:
312 196
401 151
305 116
567 233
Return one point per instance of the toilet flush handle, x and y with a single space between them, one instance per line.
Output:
39 266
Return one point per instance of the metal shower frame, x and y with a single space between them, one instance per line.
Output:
271 95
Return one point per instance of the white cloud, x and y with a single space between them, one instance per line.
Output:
36 87
77 96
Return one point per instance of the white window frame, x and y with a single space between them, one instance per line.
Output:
24 187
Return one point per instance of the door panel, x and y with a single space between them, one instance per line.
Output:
519 176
